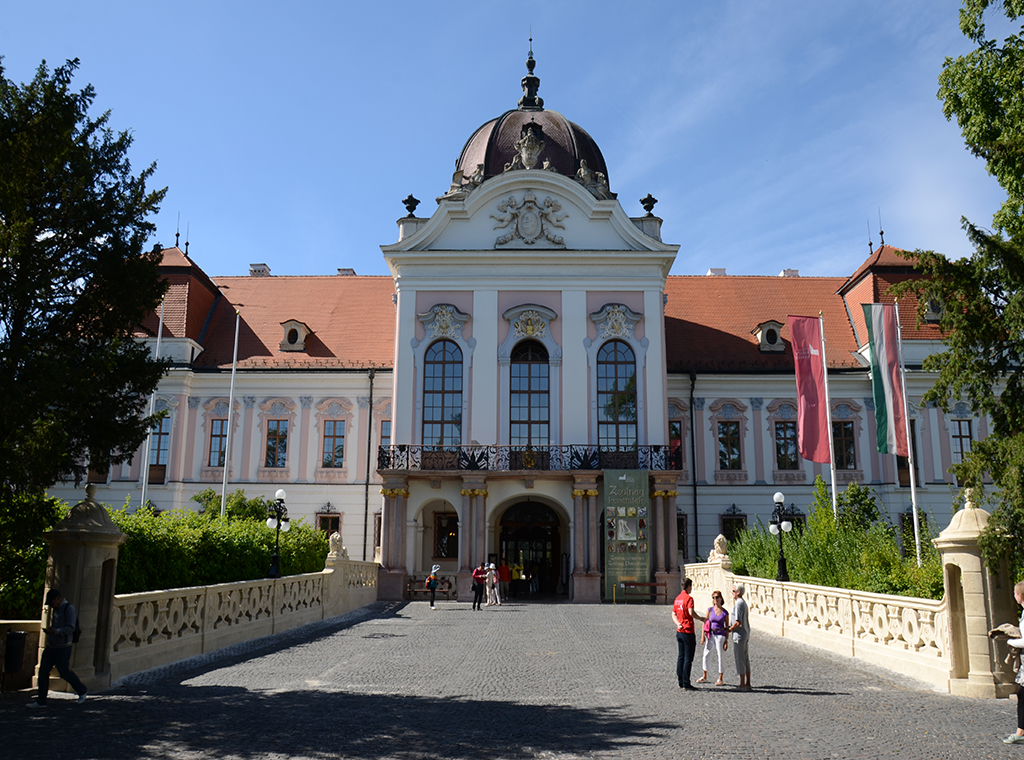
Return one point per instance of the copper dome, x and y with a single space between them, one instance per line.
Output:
565 144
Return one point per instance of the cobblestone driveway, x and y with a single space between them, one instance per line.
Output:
517 681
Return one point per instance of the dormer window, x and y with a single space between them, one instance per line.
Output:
933 314
295 334
769 337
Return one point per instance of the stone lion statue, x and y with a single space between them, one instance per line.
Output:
720 551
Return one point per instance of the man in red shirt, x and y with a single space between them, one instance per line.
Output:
683 616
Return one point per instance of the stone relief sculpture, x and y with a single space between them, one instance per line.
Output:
528 149
531 324
595 182
529 220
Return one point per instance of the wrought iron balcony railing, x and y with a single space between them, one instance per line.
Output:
515 458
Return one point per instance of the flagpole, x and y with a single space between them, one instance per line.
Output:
906 419
152 408
231 401
828 417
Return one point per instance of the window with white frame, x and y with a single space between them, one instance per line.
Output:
442 394
277 444
333 453
616 396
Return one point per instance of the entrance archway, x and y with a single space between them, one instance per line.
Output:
531 538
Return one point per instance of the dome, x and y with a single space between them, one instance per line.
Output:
495 146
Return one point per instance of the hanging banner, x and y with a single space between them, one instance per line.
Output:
627 556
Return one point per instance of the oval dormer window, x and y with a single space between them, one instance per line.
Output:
293 336
771 337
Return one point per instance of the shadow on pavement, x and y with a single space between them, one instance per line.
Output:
217 721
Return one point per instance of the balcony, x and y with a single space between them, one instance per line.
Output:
527 458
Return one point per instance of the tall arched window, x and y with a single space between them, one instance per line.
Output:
616 395
529 418
442 395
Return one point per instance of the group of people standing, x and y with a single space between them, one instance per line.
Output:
717 624
486 581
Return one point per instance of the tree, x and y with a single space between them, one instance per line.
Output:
982 296
75 282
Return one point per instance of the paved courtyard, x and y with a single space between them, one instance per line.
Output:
516 681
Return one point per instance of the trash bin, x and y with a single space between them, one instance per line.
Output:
14 652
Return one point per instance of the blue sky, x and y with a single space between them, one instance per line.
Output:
772 133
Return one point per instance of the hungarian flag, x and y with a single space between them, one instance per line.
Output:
811 399
885 378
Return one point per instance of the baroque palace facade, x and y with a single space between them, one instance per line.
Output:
529 340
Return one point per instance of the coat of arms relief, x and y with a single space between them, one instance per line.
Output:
529 220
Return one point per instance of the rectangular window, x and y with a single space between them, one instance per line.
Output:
843 441
729 446
786 456
446 535
160 443
731 525
334 443
277 443
675 434
962 439
902 470
385 432
329 523
218 442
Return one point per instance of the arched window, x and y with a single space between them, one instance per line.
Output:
442 395
529 416
616 395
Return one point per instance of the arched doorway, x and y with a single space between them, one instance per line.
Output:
531 538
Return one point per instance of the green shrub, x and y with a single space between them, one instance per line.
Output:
861 551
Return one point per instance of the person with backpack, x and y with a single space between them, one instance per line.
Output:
431 583
61 633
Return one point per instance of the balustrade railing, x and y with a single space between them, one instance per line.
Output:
515 458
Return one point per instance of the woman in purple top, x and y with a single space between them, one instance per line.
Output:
714 636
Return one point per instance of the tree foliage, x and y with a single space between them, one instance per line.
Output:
982 296
75 281
859 551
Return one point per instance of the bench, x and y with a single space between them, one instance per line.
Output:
415 586
632 590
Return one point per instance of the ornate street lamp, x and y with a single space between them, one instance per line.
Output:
777 526
277 521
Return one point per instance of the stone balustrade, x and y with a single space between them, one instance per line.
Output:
157 628
904 634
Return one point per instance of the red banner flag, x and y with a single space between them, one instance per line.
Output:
811 398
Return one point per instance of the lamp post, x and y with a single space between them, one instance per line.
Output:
277 521
777 526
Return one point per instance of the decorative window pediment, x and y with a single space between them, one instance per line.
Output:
615 320
443 321
295 334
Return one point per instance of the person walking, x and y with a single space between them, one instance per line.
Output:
493 597
504 577
1018 737
60 634
683 616
740 629
479 579
715 636
432 582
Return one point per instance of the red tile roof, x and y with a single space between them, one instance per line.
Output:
708 321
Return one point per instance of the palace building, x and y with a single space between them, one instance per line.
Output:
529 346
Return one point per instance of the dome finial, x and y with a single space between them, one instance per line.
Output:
531 83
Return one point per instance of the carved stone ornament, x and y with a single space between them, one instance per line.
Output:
528 148
463 185
531 324
529 221
595 182
615 320
443 321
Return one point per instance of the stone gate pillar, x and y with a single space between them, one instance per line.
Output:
976 602
83 565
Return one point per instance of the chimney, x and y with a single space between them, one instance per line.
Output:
789 273
259 270
346 272
716 272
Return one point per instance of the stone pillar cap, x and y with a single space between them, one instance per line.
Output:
88 519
